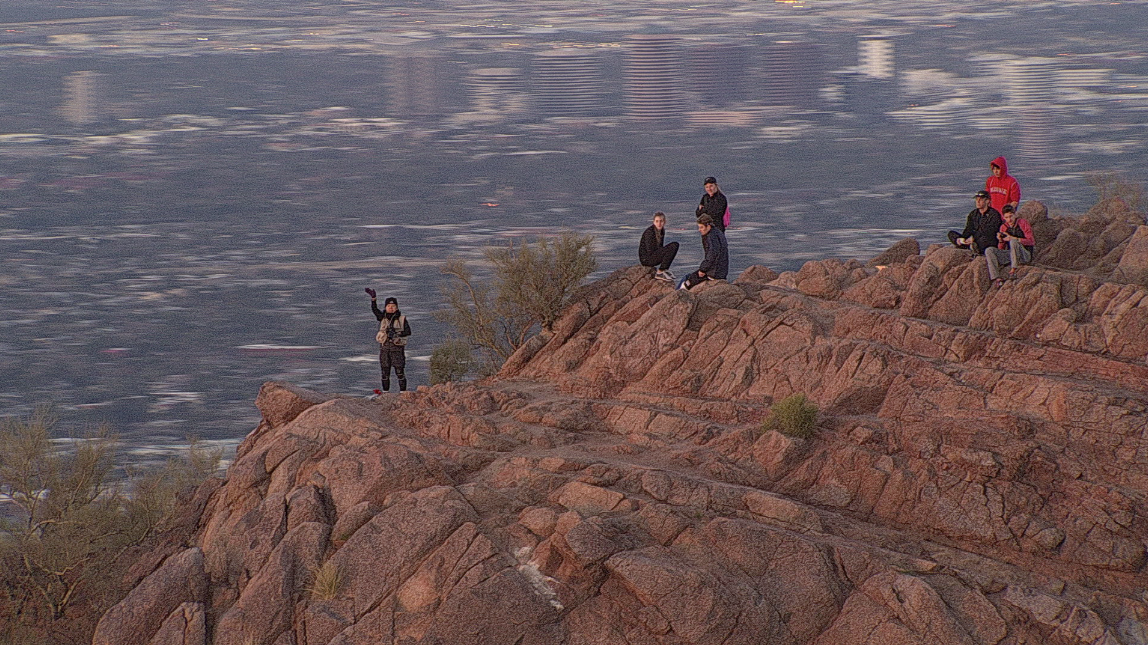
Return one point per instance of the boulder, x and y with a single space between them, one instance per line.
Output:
281 402
1133 265
756 274
898 252
187 625
136 619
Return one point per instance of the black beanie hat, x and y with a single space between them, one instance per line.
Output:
390 300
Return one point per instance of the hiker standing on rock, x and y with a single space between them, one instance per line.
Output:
713 204
1002 187
1016 245
715 266
392 339
654 252
981 226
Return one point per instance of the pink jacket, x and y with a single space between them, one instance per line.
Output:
1026 228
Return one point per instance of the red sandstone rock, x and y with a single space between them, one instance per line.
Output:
140 615
977 476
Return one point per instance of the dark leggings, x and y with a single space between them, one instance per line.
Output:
663 257
397 359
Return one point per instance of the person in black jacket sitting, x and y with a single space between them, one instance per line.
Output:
715 266
653 252
980 228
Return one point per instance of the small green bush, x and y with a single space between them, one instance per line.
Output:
450 361
794 416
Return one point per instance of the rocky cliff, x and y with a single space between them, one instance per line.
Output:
978 475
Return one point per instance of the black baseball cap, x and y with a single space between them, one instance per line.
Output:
983 193
709 180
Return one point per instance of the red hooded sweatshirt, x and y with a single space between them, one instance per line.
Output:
1004 189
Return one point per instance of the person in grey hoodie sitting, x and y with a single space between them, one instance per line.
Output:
715 265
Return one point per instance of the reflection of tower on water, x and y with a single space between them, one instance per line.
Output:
417 85
652 78
717 74
870 88
1037 136
567 82
1029 81
85 97
792 73
875 57
496 91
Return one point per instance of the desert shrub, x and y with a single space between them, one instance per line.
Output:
794 416
326 579
1113 186
532 283
450 361
68 521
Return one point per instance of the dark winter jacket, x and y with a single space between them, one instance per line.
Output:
393 318
715 207
983 227
716 263
652 241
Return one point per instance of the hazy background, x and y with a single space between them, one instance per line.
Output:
181 180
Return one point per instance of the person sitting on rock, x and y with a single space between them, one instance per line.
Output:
392 339
713 204
1002 187
980 228
653 252
1016 244
715 265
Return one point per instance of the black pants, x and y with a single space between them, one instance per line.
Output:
394 357
953 235
663 257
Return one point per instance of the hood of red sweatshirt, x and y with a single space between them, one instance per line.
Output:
1000 161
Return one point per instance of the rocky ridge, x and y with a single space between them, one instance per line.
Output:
978 475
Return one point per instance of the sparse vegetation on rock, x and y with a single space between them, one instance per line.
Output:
69 521
530 286
450 361
793 416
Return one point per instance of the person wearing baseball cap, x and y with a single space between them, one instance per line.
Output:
981 226
713 204
392 338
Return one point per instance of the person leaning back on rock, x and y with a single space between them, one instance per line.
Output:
392 338
715 265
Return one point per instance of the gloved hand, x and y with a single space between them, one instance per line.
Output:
370 292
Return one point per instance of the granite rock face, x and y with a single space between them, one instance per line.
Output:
978 476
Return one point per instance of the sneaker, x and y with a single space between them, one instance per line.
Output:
662 275
668 275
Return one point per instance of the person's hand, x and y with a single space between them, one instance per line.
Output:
701 274
370 292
